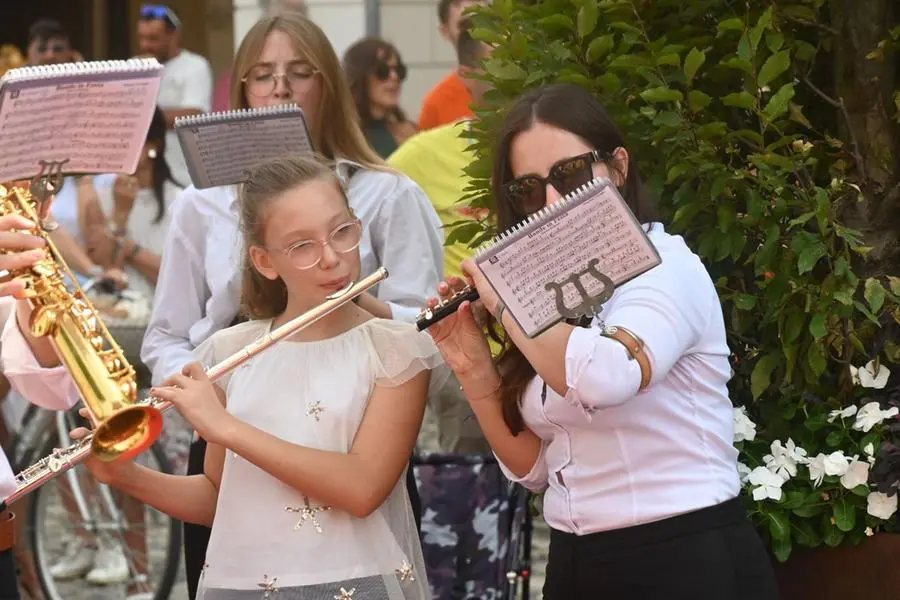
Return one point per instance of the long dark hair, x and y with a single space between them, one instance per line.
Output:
571 108
161 172
360 60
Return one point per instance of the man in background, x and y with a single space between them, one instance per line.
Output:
186 86
49 44
449 100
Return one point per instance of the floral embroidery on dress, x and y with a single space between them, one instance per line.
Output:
308 513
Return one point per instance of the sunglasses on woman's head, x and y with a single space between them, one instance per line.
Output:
383 71
160 12
528 194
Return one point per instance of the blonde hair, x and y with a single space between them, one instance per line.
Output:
336 131
263 298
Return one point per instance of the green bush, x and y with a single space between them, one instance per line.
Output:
754 132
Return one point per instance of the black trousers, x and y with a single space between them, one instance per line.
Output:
713 553
9 586
196 537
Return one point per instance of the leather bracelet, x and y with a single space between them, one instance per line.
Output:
501 306
635 347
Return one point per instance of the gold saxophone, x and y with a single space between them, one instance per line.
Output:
61 460
106 381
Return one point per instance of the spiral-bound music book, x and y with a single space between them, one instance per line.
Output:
92 116
221 147
591 227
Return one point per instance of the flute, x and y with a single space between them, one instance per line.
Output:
63 459
445 308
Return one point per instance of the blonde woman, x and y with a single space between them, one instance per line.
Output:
284 59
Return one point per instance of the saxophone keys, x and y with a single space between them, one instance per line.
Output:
44 321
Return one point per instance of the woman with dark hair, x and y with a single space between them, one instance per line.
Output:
125 217
376 73
626 422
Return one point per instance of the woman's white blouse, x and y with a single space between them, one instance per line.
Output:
199 285
613 457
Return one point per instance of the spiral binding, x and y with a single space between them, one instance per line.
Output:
543 216
226 116
94 67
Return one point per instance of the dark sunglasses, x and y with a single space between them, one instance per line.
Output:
528 194
162 13
383 71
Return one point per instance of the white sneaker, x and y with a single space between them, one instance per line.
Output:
110 566
77 560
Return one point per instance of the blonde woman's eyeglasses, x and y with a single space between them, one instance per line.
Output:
260 81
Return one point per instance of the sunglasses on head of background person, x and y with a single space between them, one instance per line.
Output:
383 71
528 194
162 13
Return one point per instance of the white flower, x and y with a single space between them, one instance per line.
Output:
871 376
881 505
869 532
871 415
768 484
844 413
816 468
784 459
857 474
743 472
744 428
869 449
836 464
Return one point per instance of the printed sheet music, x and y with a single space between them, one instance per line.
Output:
221 147
93 115
593 222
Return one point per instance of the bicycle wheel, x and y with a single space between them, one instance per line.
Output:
517 561
141 552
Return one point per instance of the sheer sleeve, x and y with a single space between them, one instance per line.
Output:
399 352
226 342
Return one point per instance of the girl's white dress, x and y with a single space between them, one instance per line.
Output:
269 540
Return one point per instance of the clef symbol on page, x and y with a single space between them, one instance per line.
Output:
589 305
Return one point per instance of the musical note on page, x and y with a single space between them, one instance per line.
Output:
220 148
593 223
94 115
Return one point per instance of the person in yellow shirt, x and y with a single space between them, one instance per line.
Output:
436 160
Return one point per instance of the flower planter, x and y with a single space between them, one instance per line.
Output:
869 571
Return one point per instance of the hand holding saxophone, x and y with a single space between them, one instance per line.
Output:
195 397
18 250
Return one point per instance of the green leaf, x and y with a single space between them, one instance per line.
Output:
557 21
808 510
835 438
735 24
817 326
793 325
697 100
503 70
671 59
765 21
804 51
781 549
779 101
761 377
810 256
774 41
779 526
744 301
740 99
712 130
629 62
587 18
692 63
661 94
463 233
816 359
774 66
598 48
894 282
833 536
874 294
741 64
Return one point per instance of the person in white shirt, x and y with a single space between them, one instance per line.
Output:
627 431
187 82
30 365
286 58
